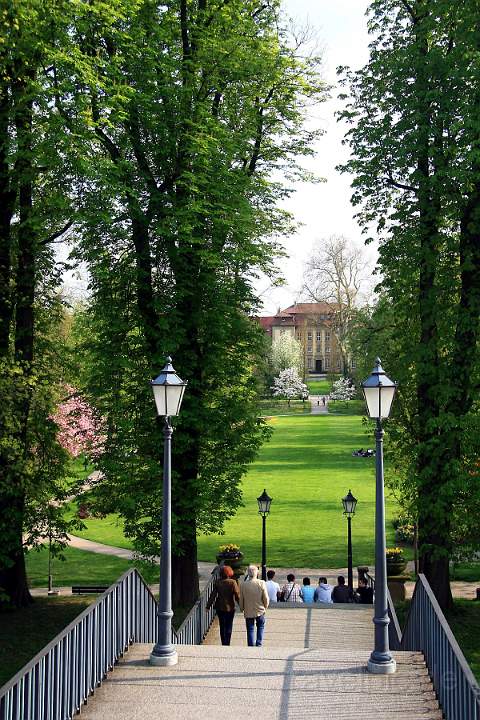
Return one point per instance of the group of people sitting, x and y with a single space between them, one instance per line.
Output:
254 597
323 593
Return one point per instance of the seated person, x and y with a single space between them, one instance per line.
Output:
323 593
291 590
307 592
364 593
341 592
273 588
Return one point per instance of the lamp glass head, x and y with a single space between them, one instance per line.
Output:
264 502
379 392
168 390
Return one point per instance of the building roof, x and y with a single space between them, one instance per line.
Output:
307 309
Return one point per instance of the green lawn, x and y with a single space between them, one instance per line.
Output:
467 572
318 387
307 467
349 407
271 407
80 568
108 530
23 633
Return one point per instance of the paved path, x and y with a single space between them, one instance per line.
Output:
318 408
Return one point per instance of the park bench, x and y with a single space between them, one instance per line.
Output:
86 589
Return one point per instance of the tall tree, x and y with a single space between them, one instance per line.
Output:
192 105
414 138
32 215
335 275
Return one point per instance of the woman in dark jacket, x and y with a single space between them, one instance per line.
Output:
224 595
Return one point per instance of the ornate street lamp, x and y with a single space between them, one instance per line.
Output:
379 392
349 504
264 502
168 391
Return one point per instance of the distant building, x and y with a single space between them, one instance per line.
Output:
310 324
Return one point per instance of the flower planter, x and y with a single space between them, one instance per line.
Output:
395 567
235 562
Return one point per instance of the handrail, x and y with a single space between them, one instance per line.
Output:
394 631
60 678
198 621
427 630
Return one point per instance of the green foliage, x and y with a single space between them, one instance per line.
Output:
178 216
414 135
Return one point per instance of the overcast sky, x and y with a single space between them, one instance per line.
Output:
323 209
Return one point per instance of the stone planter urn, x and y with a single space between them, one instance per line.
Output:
234 558
395 567
396 562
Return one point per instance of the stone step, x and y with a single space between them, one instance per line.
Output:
300 627
215 682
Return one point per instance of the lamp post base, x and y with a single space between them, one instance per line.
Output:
163 657
385 668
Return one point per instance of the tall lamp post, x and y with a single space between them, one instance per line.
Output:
379 391
264 502
168 391
349 505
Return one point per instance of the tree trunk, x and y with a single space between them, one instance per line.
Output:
13 576
185 584
433 509
7 198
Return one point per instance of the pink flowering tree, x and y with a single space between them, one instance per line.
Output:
80 430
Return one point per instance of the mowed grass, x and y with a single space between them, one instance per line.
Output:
318 387
307 467
80 568
271 406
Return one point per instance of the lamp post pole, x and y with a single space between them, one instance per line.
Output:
381 660
349 503
168 390
264 546
264 502
379 392
350 564
164 652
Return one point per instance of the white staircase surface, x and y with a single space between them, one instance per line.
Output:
313 665
215 682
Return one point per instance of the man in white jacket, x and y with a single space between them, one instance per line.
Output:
254 602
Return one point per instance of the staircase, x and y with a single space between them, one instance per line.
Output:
313 664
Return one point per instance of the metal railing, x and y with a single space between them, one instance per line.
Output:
197 623
427 630
60 678
394 632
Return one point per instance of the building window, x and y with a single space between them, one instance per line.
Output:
309 335
338 362
327 363
299 336
327 336
319 336
327 348
309 348
310 363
